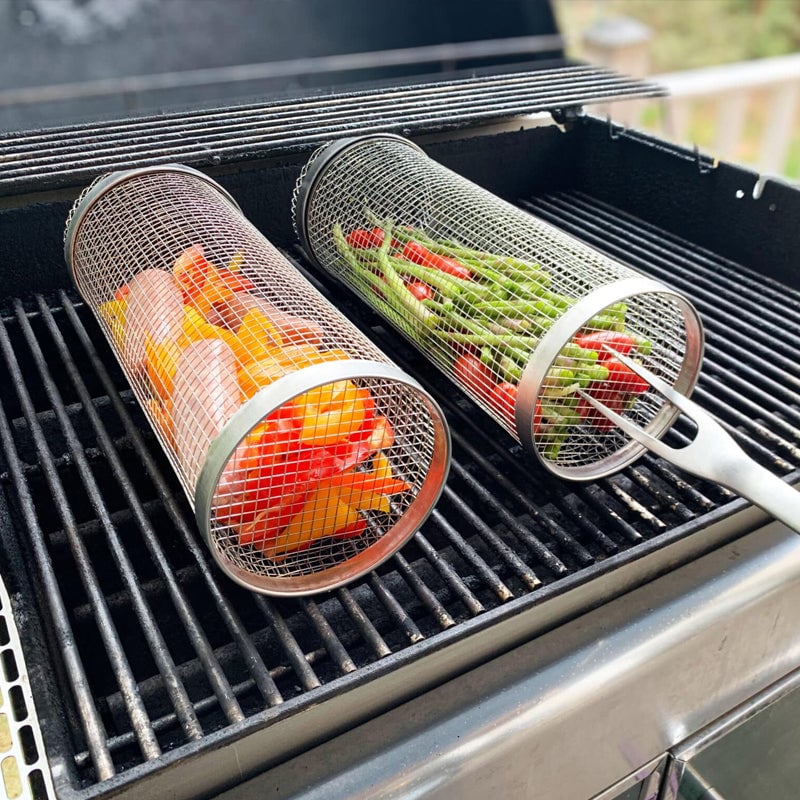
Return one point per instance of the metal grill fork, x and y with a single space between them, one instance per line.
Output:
712 454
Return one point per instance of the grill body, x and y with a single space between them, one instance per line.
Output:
154 675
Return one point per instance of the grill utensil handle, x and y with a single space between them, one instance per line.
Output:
712 454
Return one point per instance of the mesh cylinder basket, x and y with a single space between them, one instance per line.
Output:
521 315
308 457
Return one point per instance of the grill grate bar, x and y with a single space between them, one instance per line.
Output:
106 628
306 675
401 618
595 496
368 631
540 518
450 576
482 570
660 493
443 619
76 674
158 647
216 676
487 498
670 476
512 560
721 390
330 640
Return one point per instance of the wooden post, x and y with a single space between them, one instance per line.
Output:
622 44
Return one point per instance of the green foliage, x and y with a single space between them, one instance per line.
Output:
695 33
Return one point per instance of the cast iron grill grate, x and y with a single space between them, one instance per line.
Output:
156 650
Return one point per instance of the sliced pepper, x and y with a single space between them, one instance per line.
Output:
195 327
259 374
161 416
191 270
113 313
255 338
331 413
162 362
621 342
320 518
265 526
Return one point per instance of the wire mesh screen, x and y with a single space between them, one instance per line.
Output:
521 315
308 456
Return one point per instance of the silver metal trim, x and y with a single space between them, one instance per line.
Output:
15 720
269 399
107 182
562 331
648 776
609 691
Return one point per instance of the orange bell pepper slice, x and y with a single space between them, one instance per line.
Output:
259 374
256 338
161 415
162 362
322 516
331 413
351 484
122 293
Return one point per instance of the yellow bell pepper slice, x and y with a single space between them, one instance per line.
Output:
195 327
331 413
322 516
162 361
113 314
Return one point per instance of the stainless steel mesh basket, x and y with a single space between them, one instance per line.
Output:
308 457
521 315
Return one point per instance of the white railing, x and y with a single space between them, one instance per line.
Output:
752 102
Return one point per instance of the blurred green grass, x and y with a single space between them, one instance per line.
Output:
690 34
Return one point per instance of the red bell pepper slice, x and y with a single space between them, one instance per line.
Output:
621 342
365 240
269 522
419 254
421 291
375 434
190 270
623 379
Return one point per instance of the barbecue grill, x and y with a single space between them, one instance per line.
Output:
618 638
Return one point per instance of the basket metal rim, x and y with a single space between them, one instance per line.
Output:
269 399
321 160
113 179
563 330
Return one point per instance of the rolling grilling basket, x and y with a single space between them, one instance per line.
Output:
516 311
583 360
308 457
